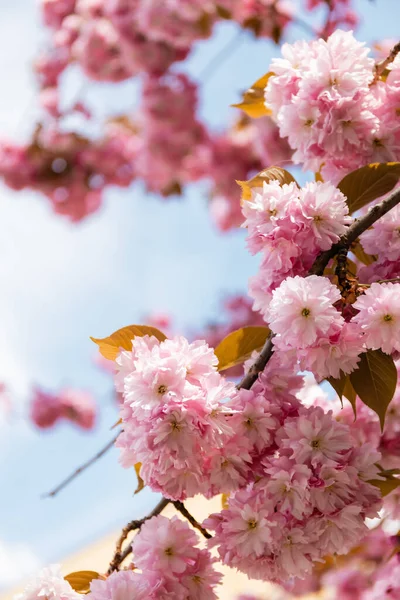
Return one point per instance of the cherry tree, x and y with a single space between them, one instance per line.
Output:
308 484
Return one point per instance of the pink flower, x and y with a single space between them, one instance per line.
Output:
45 409
330 355
384 236
301 310
49 584
164 544
379 316
338 533
200 578
315 437
288 486
119 585
253 418
323 209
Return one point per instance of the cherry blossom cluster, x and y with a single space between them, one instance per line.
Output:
289 226
327 101
298 488
116 39
171 566
49 583
171 137
382 241
309 498
69 169
76 406
367 569
172 414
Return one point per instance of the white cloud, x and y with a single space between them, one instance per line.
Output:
17 561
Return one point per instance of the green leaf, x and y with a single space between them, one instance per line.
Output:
80 580
266 175
122 338
375 381
140 484
239 345
369 183
253 99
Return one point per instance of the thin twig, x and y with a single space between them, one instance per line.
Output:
120 555
354 231
80 469
184 511
383 65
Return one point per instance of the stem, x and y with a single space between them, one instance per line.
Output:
184 511
258 366
120 555
354 231
380 67
81 469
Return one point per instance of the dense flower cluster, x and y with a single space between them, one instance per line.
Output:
299 490
171 136
289 226
171 566
69 169
116 39
72 405
325 100
172 413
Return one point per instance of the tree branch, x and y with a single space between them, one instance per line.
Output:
381 66
120 555
184 511
80 469
353 232
258 366
356 229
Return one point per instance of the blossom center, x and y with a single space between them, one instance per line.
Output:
315 444
162 389
306 312
252 523
308 122
168 551
387 318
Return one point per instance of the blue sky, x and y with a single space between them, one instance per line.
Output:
63 283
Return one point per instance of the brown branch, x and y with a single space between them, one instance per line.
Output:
120 555
80 469
354 231
184 511
258 366
383 65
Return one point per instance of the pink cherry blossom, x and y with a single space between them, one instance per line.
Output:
49 583
302 309
379 316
